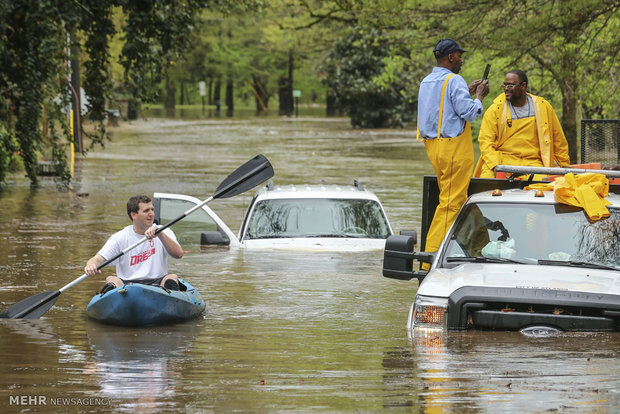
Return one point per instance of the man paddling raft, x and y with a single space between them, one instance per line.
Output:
148 265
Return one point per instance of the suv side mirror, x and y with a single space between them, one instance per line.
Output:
398 258
217 238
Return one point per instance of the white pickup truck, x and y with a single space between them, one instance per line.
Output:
515 259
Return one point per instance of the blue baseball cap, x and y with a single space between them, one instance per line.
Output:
446 46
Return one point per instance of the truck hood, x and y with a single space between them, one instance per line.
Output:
442 282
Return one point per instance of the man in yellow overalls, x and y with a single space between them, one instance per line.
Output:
520 129
445 110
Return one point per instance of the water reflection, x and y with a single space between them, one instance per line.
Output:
400 379
33 331
139 368
507 371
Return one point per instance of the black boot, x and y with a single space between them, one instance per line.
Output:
107 287
171 284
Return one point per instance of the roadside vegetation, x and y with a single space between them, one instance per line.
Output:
361 59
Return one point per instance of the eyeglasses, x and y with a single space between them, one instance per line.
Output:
510 85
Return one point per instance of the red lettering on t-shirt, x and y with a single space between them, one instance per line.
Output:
141 257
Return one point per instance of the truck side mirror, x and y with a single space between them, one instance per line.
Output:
411 233
398 257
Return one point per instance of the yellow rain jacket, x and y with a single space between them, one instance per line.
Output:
537 141
587 191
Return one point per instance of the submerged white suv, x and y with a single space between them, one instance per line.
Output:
304 217
516 259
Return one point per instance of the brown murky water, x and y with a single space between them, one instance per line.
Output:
283 331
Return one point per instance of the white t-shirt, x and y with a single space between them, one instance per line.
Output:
148 260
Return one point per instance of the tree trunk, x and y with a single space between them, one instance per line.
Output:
169 103
230 106
217 100
76 95
289 90
331 103
569 116
284 108
210 98
568 84
260 95
285 89
182 94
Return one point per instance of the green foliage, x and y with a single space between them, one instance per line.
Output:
9 161
372 53
569 48
370 78
250 48
34 68
562 45
57 143
97 26
30 71
155 32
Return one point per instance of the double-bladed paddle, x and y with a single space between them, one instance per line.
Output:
244 178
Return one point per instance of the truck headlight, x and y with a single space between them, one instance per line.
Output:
429 313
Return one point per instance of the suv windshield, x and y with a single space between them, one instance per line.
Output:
310 217
545 234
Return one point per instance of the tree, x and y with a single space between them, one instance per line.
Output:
564 43
30 75
34 70
571 46
356 71
569 41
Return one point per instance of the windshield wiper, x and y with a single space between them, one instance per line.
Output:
575 263
302 236
327 235
355 236
482 259
267 236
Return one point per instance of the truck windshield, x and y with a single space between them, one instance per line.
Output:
537 234
309 217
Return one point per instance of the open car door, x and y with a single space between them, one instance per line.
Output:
204 226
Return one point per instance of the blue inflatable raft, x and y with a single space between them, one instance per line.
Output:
136 304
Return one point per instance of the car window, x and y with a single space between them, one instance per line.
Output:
187 230
533 232
317 218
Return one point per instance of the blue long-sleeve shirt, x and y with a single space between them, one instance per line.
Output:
458 107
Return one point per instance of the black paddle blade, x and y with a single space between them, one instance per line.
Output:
249 175
32 307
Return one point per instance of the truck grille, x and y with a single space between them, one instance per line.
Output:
515 308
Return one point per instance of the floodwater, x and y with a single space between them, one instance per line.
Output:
282 331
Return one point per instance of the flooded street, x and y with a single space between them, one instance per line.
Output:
283 331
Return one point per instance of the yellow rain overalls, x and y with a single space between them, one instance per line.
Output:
453 162
536 142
